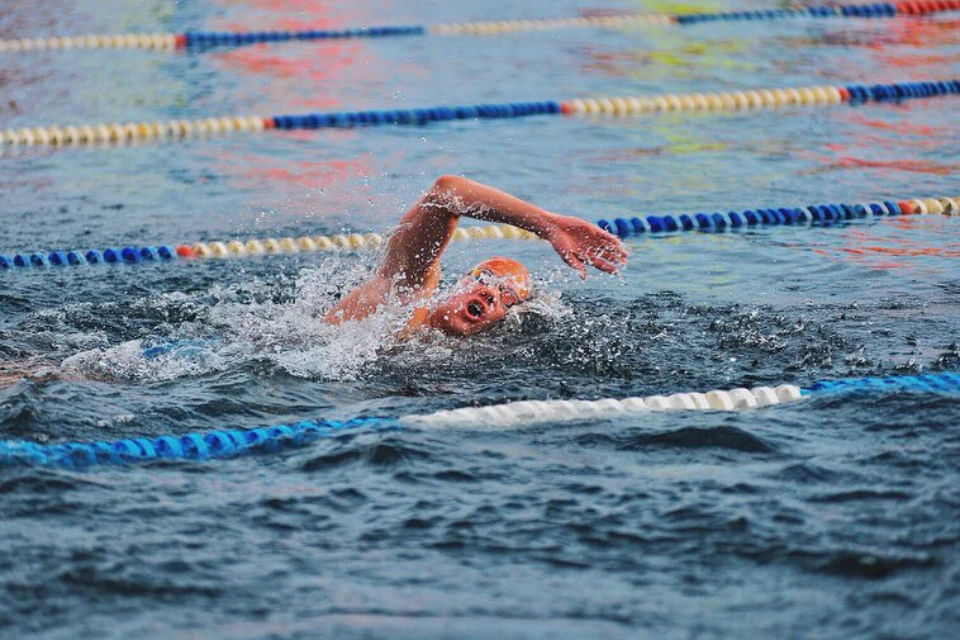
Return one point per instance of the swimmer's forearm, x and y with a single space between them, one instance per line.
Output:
464 197
576 241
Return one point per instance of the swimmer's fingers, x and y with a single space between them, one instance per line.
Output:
574 261
608 246
580 243
606 256
616 255
622 252
606 235
596 259
619 250
602 263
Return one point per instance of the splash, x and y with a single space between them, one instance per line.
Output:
277 327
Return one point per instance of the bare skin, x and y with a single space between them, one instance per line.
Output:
410 270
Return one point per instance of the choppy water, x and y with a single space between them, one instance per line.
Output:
831 518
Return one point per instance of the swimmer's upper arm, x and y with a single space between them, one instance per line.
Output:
420 238
412 258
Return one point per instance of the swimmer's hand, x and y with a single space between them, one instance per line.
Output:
580 243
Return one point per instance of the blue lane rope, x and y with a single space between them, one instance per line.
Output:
822 215
112 255
930 383
852 94
206 39
417 116
876 10
746 100
190 446
234 442
224 38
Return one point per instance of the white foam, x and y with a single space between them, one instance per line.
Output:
251 321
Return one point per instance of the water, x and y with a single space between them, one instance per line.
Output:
837 517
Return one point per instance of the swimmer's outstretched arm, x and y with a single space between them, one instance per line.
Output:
424 232
412 258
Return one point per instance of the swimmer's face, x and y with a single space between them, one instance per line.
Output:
477 307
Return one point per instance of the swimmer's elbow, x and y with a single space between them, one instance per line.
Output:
447 183
440 199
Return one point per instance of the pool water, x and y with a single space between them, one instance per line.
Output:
833 517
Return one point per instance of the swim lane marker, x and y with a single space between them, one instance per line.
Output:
750 99
821 215
234 442
206 39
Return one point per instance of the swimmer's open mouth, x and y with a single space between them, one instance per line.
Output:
474 310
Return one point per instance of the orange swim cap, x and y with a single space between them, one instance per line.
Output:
511 276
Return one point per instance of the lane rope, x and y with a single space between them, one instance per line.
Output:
207 39
237 248
821 215
234 442
527 412
855 94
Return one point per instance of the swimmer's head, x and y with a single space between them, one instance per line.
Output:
484 295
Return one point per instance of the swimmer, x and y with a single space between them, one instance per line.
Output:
410 271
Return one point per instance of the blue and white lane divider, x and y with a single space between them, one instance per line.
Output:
822 215
205 39
613 106
228 443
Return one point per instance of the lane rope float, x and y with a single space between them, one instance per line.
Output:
822 215
826 95
234 442
207 39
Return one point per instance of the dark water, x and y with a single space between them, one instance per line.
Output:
836 517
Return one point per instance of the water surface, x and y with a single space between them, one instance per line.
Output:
835 517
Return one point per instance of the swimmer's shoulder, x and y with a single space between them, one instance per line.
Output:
419 321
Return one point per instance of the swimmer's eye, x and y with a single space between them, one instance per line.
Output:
508 296
474 310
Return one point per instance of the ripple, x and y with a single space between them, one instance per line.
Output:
109 583
387 453
858 495
732 438
871 566
809 474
